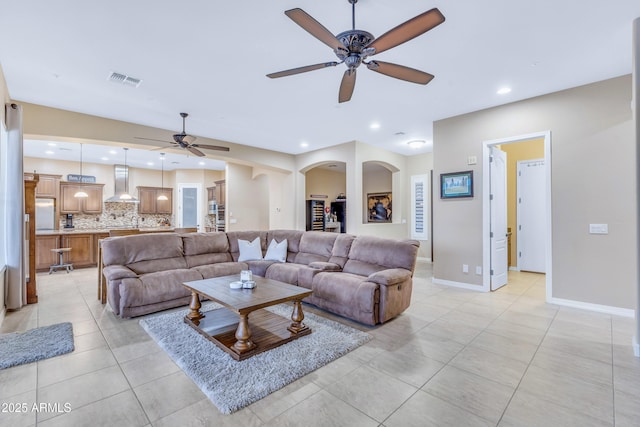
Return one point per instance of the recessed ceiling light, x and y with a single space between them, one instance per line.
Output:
375 125
201 163
49 152
52 144
304 144
113 152
104 158
416 143
504 90
149 163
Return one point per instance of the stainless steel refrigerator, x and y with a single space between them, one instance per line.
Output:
45 214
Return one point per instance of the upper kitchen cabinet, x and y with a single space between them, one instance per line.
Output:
77 205
47 185
149 203
220 192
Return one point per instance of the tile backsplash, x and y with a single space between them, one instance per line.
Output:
118 215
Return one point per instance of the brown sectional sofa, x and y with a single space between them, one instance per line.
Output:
365 278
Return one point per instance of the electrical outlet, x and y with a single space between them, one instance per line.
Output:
465 268
478 270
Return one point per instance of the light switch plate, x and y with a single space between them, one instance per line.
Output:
598 228
472 160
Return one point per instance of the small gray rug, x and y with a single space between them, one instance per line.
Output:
35 344
232 385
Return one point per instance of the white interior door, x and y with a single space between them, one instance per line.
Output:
498 209
531 216
189 205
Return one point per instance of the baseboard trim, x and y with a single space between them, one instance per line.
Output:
616 311
636 346
512 268
462 285
424 259
2 314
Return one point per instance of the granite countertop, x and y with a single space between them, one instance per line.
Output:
99 230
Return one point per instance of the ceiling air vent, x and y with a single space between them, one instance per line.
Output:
124 79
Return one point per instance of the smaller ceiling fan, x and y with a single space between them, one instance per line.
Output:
184 141
353 47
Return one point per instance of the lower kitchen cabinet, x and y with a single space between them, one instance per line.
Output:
82 252
84 249
44 257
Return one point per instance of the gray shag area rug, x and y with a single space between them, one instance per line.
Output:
35 344
232 385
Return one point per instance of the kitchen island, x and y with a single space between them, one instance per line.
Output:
83 243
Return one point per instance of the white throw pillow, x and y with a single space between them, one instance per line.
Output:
277 251
249 251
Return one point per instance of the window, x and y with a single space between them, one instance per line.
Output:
419 207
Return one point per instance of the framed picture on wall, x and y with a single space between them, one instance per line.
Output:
379 205
456 184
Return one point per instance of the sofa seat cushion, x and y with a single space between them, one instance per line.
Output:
287 272
220 269
153 287
347 289
259 267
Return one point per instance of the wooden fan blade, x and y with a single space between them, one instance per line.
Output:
301 70
400 72
211 147
195 151
347 85
165 147
314 28
407 30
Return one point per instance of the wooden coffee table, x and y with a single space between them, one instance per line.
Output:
229 327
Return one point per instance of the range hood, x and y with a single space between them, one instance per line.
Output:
121 179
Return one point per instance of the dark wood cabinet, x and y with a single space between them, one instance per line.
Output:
149 203
30 237
75 205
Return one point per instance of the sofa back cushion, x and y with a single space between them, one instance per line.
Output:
293 241
233 237
205 248
144 253
315 246
369 254
341 248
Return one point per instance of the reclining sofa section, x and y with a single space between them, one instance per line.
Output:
364 278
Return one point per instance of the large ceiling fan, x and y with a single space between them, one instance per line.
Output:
185 141
353 47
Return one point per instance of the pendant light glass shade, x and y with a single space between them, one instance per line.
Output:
80 193
162 196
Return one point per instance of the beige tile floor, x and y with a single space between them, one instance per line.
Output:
454 358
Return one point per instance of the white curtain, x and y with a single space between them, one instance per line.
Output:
14 236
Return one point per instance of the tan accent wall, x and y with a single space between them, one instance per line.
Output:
517 152
248 205
592 173
327 182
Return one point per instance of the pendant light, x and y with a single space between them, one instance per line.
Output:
80 193
126 196
162 196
